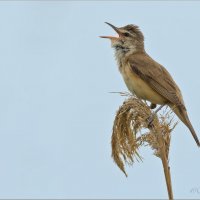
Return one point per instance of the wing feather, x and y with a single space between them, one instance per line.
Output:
157 77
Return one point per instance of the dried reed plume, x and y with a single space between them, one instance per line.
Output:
131 130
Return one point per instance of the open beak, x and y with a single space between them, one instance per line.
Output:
112 37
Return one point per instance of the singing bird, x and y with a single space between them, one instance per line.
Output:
143 76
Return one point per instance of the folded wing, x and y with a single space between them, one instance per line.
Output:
157 77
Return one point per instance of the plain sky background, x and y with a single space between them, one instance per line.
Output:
56 112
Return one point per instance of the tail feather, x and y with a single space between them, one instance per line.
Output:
182 114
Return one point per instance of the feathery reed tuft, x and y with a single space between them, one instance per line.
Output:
131 130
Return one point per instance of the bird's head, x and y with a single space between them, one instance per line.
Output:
129 38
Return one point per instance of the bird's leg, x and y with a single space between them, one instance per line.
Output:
151 117
159 108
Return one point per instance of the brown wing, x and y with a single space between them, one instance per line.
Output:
157 77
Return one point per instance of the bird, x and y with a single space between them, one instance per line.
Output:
145 77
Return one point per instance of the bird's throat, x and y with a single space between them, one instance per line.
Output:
122 48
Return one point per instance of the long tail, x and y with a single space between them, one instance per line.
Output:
182 114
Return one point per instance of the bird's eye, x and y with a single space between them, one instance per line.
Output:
126 34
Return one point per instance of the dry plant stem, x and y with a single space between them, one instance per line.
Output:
166 168
127 138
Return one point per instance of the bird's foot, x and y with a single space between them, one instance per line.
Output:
150 120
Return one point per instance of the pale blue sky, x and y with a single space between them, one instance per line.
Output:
56 112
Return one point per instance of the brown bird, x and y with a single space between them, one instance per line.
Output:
144 76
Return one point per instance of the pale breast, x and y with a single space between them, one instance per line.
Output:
136 85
